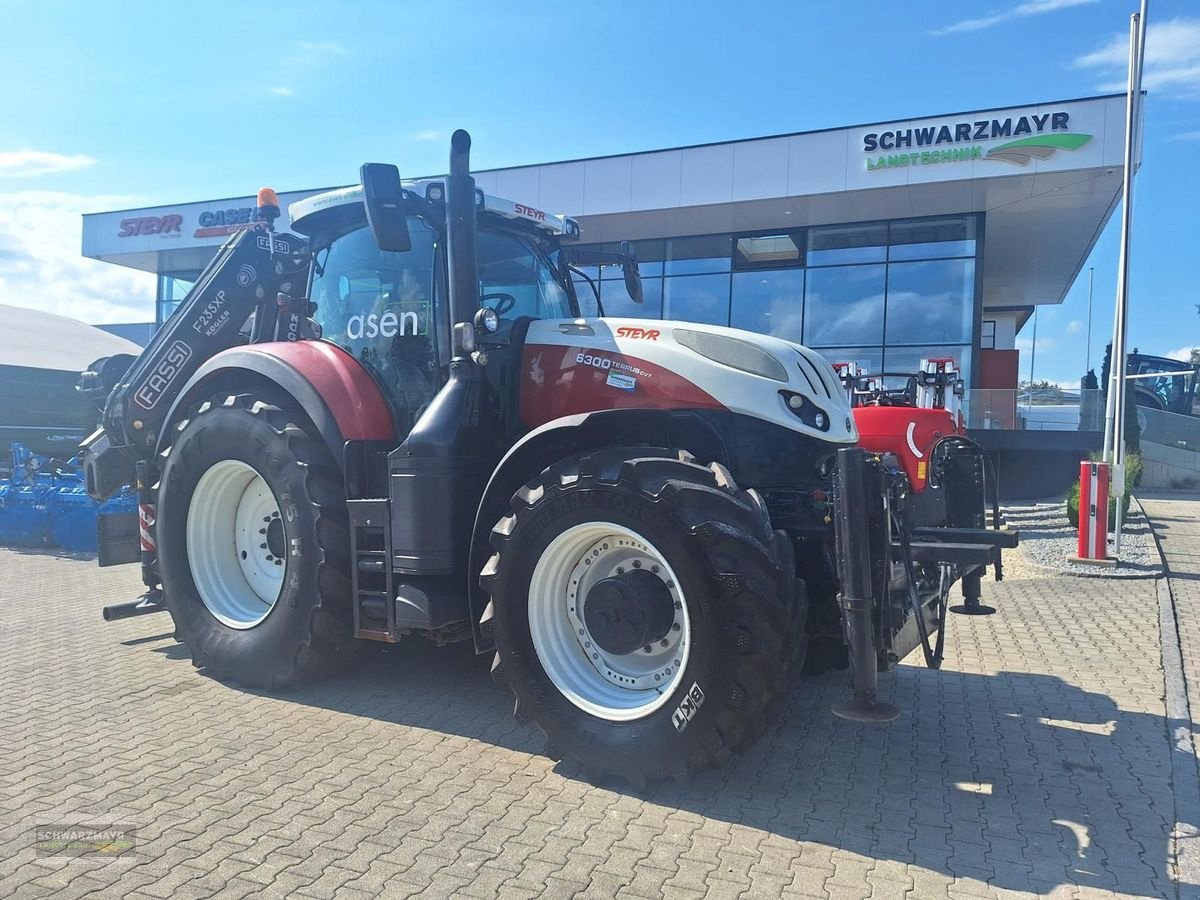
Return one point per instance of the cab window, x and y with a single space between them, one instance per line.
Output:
379 307
516 280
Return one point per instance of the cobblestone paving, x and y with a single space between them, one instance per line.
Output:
1036 762
1176 519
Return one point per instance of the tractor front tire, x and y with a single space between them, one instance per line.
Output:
642 614
253 544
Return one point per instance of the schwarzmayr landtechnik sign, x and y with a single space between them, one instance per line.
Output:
959 141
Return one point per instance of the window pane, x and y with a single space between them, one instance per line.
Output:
750 251
585 296
844 306
697 298
847 244
869 359
771 302
932 239
649 255
987 335
707 253
930 301
512 275
908 359
617 302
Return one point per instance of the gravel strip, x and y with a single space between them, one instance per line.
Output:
1049 542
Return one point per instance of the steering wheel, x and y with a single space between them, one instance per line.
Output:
505 304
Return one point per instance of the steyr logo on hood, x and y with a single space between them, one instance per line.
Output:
638 334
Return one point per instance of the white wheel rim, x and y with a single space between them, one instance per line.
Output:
616 688
236 554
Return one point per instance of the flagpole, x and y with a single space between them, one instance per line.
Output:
1114 420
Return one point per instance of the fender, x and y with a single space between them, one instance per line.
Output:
560 438
337 394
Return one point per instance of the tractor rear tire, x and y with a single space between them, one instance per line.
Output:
253 544
718 614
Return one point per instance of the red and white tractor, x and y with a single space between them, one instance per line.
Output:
395 423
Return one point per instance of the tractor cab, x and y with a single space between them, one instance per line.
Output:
1164 384
390 309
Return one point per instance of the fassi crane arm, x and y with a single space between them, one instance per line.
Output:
255 272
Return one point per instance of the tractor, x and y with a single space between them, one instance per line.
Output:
393 423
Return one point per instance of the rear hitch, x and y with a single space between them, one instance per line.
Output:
857 598
149 602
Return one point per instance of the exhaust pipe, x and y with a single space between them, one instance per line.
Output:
461 242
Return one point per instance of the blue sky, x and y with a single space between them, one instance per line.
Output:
110 105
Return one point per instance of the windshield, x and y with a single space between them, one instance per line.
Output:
516 280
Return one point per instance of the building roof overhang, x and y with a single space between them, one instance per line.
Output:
1045 177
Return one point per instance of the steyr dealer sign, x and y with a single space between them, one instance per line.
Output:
1030 137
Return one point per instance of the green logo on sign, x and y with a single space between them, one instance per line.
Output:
1043 146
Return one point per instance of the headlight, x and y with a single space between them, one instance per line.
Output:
733 352
487 320
805 410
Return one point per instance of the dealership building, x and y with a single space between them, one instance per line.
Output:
880 243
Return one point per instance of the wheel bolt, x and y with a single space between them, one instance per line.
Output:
675 627
620 570
647 648
637 563
262 546
663 642
262 531
654 569
678 605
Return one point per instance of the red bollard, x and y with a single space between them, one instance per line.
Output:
1093 512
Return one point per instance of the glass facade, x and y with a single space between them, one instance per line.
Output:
171 290
882 294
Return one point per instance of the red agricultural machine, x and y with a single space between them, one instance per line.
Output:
394 423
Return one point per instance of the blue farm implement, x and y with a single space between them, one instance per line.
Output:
44 504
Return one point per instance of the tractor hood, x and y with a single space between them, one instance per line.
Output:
582 365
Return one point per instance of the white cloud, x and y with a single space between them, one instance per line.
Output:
429 134
1044 343
280 91
1020 11
1186 136
25 163
1074 327
1183 353
1172 62
41 268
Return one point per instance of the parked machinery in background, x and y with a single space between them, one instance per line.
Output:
43 503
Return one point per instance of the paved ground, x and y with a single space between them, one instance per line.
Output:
1176 518
1038 761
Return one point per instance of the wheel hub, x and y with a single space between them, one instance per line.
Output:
236 544
627 611
275 536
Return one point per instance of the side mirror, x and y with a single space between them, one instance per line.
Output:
384 200
629 268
